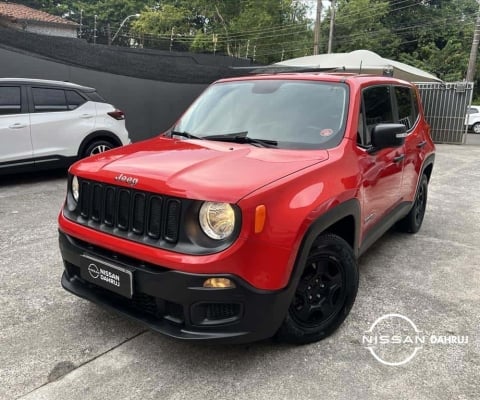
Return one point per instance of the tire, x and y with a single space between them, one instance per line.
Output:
97 147
325 293
476 128
413 221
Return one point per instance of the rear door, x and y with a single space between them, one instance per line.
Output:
15 140
60 120
416 140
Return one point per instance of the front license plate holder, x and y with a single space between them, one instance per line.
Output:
113 277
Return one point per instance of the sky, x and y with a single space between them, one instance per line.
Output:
313 6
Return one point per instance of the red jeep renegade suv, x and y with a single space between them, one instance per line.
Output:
245 220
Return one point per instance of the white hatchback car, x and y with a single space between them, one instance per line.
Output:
473 119
49 124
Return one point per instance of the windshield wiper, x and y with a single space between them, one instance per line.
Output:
184 134
241 137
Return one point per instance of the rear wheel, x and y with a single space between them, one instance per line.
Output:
97 147
325 293
476 127
413 221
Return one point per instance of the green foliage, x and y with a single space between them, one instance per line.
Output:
163 21
434 35
358 25
260 29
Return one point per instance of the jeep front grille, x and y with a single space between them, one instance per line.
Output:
133 214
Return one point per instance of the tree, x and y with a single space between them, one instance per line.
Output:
359 25
264 29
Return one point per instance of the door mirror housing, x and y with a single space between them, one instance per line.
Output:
388 135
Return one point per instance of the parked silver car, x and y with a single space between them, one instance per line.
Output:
473 119
46 124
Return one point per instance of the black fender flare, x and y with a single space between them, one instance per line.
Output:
429 161
107 135
350 208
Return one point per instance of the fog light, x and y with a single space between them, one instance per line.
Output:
223 283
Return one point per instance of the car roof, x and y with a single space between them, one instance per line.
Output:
355 79
44 82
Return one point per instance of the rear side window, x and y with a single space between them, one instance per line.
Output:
407 113
94 96
10 100
48 100
74 100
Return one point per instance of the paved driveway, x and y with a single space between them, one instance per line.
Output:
56 346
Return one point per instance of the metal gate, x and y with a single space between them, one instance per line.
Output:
445 106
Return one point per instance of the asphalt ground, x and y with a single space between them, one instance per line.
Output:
54 345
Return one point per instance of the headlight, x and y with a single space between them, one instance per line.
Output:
75 188
217 220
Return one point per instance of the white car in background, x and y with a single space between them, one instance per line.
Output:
50 124
473 119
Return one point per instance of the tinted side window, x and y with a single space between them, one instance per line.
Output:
74 100
94 96
47 100
10 100
377 108
415 103
472 111
406 112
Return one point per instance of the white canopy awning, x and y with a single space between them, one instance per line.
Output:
361 61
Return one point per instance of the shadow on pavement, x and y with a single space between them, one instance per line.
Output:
32 177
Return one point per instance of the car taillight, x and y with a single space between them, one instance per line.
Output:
117 114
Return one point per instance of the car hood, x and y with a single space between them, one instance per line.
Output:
196 169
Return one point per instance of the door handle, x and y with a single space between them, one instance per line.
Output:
421 144
17 125
399 158
86 116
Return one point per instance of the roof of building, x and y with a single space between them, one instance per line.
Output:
20 12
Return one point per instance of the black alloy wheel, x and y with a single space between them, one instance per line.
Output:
324 294
321 291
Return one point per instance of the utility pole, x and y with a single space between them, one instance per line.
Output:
332 23
214 40
80 34
109 34
474 51
171 38
316 40
94 29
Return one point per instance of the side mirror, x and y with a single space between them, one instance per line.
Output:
388 135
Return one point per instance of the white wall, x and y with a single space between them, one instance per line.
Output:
42 29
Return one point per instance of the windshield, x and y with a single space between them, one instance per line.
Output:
289 114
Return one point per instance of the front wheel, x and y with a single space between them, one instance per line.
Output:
325 293
476 127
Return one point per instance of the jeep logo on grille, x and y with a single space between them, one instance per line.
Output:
126 179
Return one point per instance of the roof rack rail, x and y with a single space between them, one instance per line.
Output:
281 69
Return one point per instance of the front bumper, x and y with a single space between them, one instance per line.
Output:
176 303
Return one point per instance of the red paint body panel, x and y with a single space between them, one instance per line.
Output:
185 168
296 186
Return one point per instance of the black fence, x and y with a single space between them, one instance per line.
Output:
152 87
